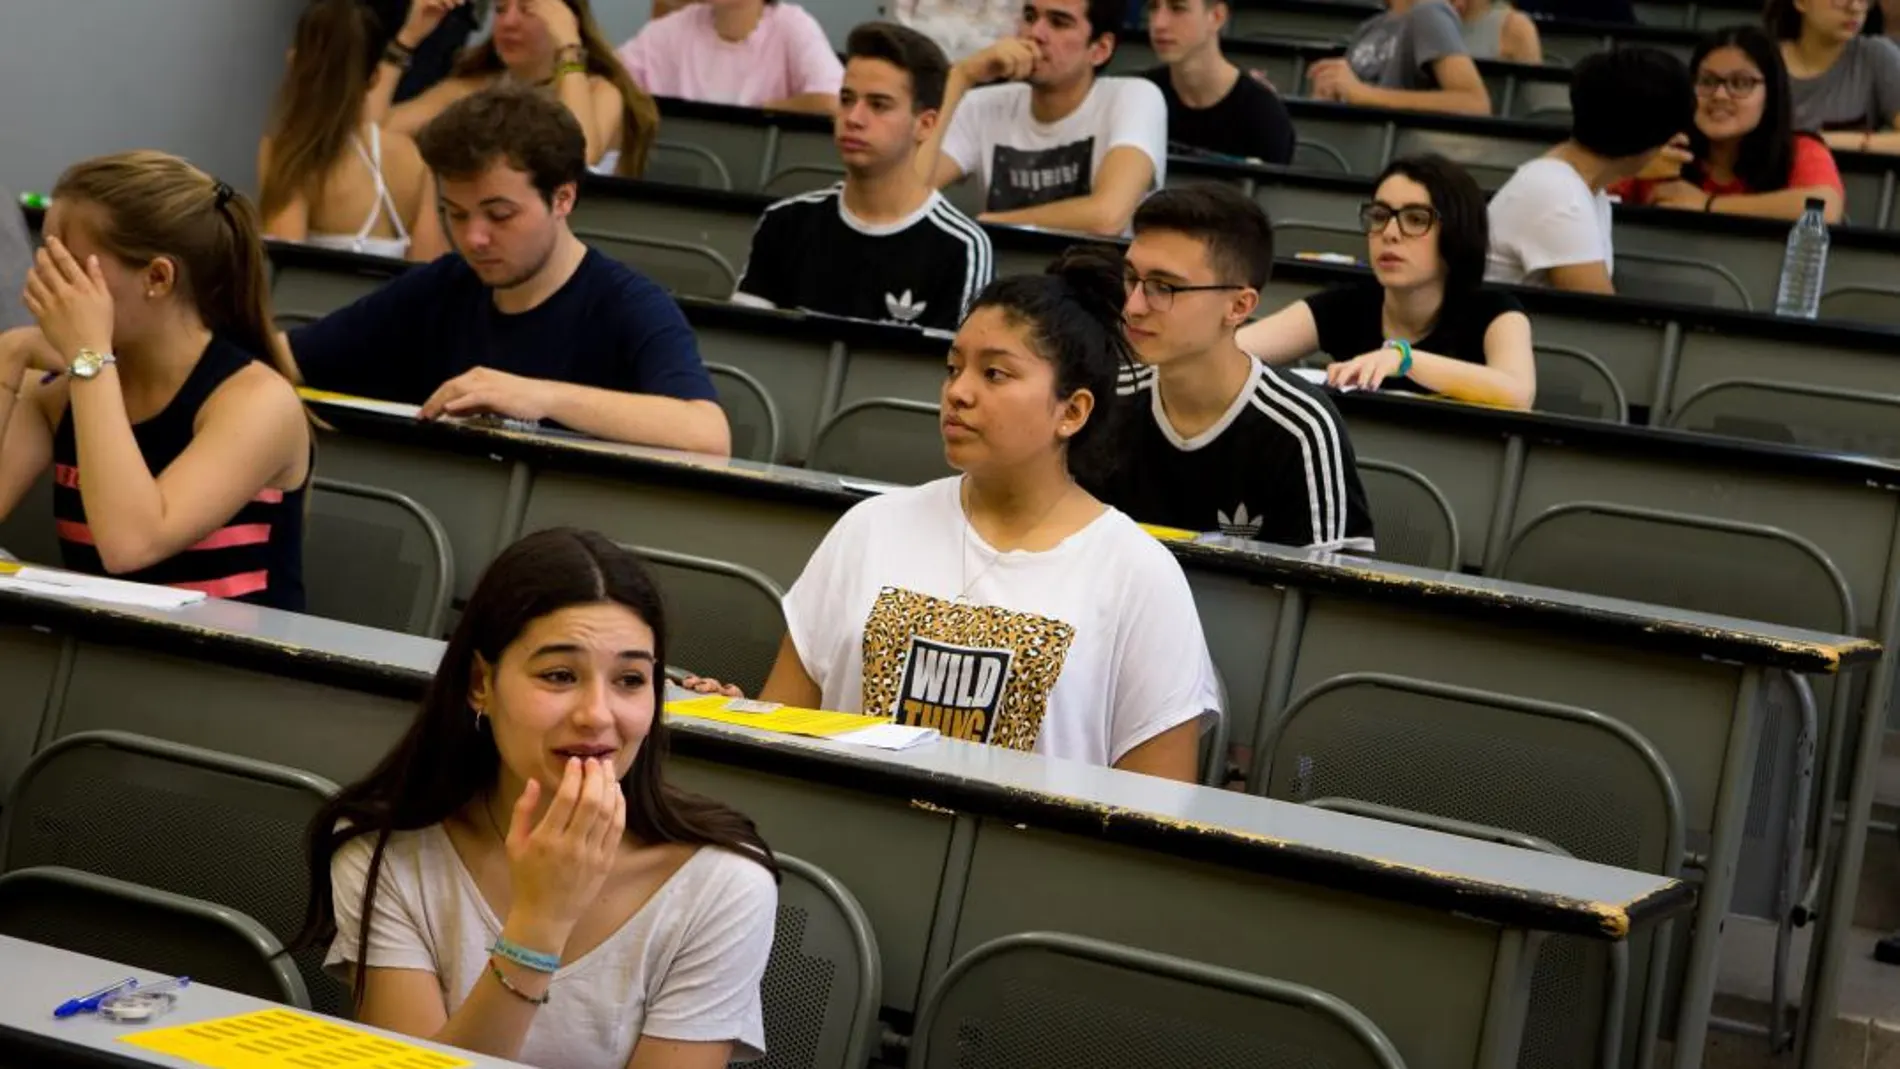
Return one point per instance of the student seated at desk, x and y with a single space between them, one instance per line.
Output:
1052 142
1844 83
327 177
892 247
1212 106
1550 224
527 322
517 877
1494 29
1426 323
1412 57
555 47
1211 438
179 457
752 53
1746 156
1008 606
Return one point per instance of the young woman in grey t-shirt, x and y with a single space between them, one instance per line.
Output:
1844 84
517 878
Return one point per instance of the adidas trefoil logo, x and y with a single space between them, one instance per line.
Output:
1240 525
901 308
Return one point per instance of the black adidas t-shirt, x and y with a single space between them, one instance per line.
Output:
1350 324
1277 467
1250 122
808 252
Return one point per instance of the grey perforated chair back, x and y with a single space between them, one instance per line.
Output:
683 267
1572 382
1336 239
1818 417
306 290
1692 562
28 532
1319 156
1568 776
1412 521
686 165
375 557
228 830
1057 1001
1676 278
726 618
824 980
803 178
884 438
1862 304
146 928
750 412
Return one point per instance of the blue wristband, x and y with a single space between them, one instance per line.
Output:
522 956
1405 354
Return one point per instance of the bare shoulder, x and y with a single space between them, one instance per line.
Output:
259 393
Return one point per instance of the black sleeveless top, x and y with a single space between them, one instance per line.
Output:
257 556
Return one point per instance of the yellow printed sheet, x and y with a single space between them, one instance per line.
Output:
282 1039
783 719
1167 534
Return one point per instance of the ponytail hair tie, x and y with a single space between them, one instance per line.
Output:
223 193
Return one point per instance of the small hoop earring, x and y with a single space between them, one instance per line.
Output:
480 715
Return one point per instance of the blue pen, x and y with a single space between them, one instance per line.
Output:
90 1003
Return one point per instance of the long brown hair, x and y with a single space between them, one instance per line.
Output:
154 206
640 116
446 758
319 104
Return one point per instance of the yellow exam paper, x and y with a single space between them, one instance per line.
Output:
1167 534
282 1039
785 719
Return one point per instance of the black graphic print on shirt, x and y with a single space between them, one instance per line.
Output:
1023 178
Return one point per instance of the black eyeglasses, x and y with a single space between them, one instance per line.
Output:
1160 295
1415 220
1740 84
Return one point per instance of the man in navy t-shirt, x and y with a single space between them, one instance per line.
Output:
526 322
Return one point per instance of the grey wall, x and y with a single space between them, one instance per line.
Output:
80 78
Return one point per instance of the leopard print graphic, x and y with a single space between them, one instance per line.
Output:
1031 648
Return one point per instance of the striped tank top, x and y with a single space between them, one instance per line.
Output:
257 556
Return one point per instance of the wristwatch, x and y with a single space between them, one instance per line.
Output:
90 362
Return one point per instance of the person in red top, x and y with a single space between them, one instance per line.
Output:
1744 156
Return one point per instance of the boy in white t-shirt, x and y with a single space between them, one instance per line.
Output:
1053 145
1550 224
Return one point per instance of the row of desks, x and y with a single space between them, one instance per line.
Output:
1279 622
946 845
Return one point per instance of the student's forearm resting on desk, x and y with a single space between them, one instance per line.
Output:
1781 204
1120 183
1282 337
1507 378
26 441
808 103
1863 140
1592 277
636 418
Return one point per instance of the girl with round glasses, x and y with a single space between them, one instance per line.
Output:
1424 322
1842 83
1746 157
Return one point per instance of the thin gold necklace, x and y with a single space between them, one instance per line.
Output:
963 550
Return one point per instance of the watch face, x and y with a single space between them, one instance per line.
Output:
88 363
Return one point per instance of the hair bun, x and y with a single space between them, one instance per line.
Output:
1094 273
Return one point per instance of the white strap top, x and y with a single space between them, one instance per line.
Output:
395 248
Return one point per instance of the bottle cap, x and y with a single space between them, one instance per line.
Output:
1816 204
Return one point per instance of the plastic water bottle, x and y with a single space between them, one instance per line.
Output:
1804 264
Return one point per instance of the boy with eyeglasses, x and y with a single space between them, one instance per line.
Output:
1211 438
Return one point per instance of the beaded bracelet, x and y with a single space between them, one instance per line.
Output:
522 956
1405 355
508 986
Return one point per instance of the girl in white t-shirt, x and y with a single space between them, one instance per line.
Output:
516 877
1007 605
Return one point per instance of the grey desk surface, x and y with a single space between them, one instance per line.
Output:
1499 884
26 1010
1657 627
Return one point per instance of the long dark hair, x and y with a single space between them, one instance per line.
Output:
446 758
639 115
1464 224
1074 314
319 105
1767 151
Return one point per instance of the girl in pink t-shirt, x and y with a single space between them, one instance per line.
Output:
753 53
1745 156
